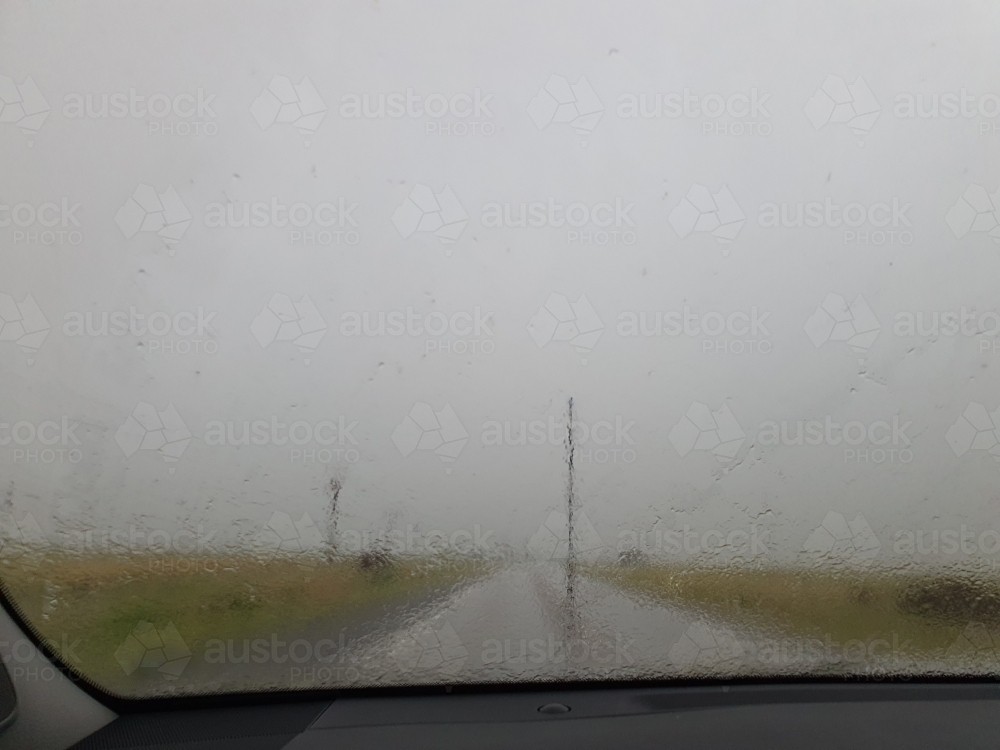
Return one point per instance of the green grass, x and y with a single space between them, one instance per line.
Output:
98 599
94 601
928 611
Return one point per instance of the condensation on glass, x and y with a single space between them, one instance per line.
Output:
403 344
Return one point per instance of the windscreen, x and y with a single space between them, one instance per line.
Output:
372 344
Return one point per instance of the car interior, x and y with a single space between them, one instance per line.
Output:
499 374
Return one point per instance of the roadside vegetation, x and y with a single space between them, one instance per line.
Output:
92 603
924 612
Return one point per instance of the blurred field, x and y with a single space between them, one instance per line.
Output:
99 599
94 602
926 611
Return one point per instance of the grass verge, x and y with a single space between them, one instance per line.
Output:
926 611
87 605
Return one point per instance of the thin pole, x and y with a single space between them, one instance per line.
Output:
570 501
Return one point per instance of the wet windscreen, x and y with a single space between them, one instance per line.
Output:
430 343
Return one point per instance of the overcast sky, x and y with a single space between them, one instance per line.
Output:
925 253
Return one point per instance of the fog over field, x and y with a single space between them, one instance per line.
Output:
349 263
